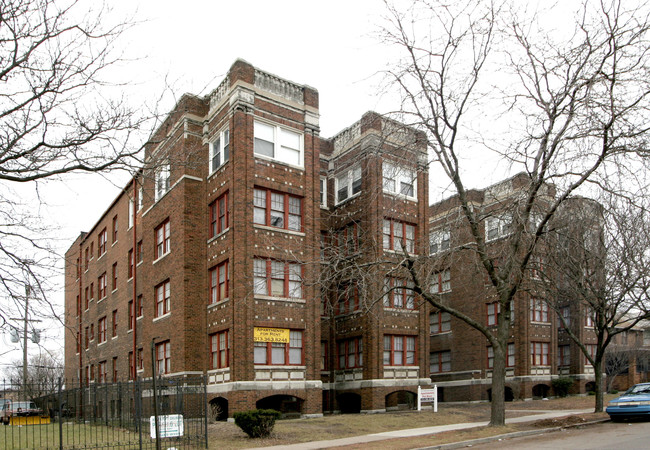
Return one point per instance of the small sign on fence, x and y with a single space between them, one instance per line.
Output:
168 426
428 395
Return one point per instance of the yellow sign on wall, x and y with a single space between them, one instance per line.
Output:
271 335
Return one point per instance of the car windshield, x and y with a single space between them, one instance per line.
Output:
639 389
23 405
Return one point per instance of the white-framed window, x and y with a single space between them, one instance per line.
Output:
219 150
399 180
439 241
497 227
131 212
323 192
279 143
347 184
162 181
140 198
440 361
441 282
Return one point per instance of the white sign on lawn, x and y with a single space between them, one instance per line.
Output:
168 426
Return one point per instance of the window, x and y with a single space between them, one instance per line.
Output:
114 369
220 349
536 267
591 350
140 360
539 353
92 331
219 215
323 355
101 286
163 238
589 317
92 292
350 353
441 281
130 324
219 283
114 276
114 327
114 229
398 293
538 310
564 355
439 322
440 361
323 192
130 262
277 278
347 184
102 238
565 312
496 227
101 372
86 299
163 358
101 330
348 300
130 213
494 309
92 251
219 150
163 299
276 209
278 143
348 239
138 306
399 350
92 372
280 353
86 259
398 235
162 181
399 180
87 338
140 198
510 356
439 241
138 252
131 366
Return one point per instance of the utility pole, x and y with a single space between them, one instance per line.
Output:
26 321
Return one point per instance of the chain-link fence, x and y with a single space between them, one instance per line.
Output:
63 415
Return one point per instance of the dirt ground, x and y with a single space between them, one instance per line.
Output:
226 435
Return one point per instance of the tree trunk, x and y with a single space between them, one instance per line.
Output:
498 407
598 379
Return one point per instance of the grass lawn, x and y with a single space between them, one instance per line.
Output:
226 435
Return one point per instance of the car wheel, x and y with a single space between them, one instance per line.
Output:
616 419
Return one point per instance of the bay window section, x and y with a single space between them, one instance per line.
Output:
398 236
278 143
399 180
350 353
348 184
276 209
280 353
162 181
277 278
219 220
399 350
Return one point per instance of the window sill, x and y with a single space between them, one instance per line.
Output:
400 196
220 302
279 299
139 317
278 230
442 333
218 235
155 261
399 252
114 291
546 324
113 244
113 338
101 256
401 310
101 343
348 199
285 366
277 161
164 316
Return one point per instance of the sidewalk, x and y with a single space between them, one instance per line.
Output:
363 439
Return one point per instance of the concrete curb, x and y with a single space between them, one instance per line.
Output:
516 434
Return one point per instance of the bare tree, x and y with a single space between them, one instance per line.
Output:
599 273
43 374
571 105
59 113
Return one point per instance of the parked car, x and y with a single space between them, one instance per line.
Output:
635 402
18 408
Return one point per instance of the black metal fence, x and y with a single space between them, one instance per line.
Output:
104 415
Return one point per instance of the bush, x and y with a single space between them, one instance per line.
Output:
257 422
562 385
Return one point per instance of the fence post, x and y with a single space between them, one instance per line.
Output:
137 403
60 401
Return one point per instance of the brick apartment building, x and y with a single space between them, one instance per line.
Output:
253 251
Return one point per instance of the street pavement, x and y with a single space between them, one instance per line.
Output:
363 439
